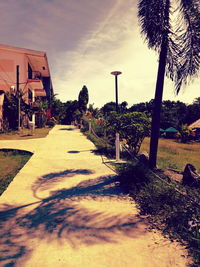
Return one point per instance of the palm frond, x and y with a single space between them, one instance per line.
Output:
181 35
183 58
154 21
188 40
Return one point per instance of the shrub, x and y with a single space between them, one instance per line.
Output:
50 123
133 127
185 134
98 126
102 146
40 119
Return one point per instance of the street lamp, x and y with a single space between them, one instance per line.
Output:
116 73
117 146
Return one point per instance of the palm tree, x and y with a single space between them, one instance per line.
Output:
177 42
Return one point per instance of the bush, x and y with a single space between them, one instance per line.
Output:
50 123
40 119
133 127
98 126
102 146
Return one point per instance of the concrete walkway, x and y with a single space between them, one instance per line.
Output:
66 208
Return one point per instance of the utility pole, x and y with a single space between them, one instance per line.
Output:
18 94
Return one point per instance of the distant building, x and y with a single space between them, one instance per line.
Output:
195 127
34 74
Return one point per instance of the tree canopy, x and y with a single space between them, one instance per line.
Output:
83 99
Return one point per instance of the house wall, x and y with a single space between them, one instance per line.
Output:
8 62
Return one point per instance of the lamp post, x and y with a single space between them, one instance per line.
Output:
116 73
117 146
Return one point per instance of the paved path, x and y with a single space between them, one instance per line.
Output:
65 208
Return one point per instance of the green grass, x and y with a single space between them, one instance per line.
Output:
11 161
172 154
25 134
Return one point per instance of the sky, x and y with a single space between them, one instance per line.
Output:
85 41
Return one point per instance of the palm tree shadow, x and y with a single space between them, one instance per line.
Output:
63 217
51 179
66 129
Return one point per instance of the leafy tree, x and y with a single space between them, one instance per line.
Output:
133 127
83 99
185 134
40 111
108 108
95 112
145 107
172 114
10 110
123 107
111 106
178 47
193 113
58 110
71 112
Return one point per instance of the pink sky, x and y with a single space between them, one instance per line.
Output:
85 40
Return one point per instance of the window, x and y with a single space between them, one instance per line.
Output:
30 72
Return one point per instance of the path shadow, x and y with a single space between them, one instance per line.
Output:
80 151
51 179
63 216
66 129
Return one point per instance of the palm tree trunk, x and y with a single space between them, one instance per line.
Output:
155 125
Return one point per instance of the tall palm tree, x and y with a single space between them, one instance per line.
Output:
171 27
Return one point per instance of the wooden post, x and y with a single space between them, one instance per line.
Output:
18 94
117 147
90 127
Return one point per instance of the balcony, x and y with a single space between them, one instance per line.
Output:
37 75
36 81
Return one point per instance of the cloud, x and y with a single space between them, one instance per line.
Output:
55 25
116 44
113 45
85 40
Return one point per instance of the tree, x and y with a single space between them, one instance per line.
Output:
193 112
95 112
111 106
178 47
71 112
172 114
108 107
83 99
58 110
11 108
123 107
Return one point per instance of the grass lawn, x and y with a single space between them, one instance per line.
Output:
11 161
172 154
25 134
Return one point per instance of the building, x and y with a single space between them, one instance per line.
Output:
34 77
195 127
